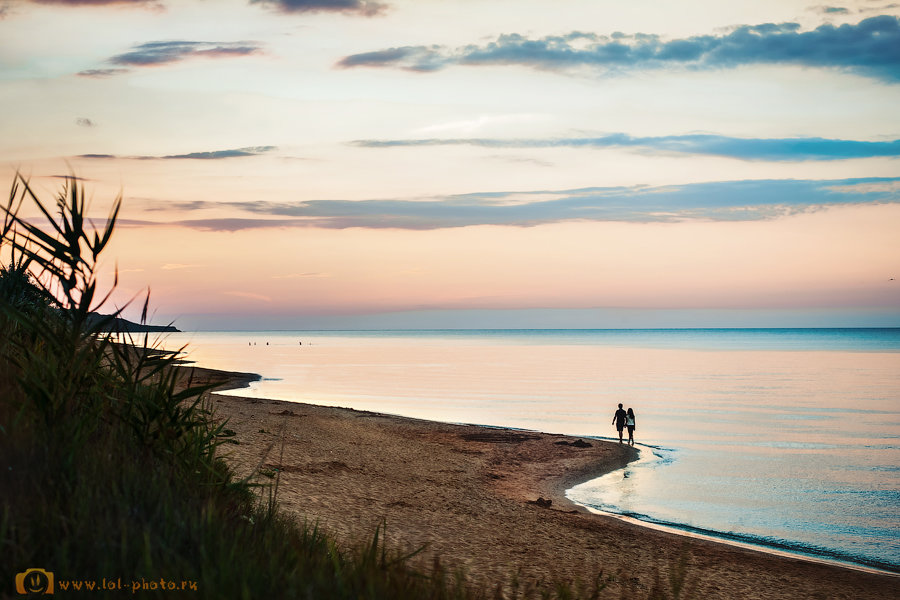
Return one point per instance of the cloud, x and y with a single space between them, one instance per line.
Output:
151 3
879 9
206 155
365 8
218 154
178 266
154 205
777 149
471 125
101 73
889 186
153 54
830 10
716 201
160 53
867 48
411 58
229 224
84 122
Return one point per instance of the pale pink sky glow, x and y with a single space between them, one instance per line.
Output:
826 259
455 164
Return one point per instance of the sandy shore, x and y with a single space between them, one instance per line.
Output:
470 495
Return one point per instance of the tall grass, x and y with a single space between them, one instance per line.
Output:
110 467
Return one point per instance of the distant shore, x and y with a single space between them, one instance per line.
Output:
477 499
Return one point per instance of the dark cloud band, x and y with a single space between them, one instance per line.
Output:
361 7
716 201
870 47
97 2
366 8
207 155
778 149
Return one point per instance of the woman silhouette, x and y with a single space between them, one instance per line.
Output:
629 422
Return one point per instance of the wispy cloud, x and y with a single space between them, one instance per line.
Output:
830 10
890 186
155 205
179 266
204 155
777 149
716 201
411 58
159 53
879 9
154 54
218 154
366 8
101 73
84 122
868 48
471 125
217 224
150 3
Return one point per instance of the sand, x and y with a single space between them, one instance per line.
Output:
476 497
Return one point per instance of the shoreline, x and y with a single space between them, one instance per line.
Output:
738 540
712 537
476 498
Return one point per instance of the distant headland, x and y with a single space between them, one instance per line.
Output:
120 325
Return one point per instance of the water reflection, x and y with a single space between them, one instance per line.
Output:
794 445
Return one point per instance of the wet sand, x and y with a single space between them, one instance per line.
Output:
476 497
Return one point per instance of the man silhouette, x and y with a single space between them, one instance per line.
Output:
619 420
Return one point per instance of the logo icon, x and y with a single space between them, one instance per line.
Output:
34 582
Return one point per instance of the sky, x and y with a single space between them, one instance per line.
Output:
305 164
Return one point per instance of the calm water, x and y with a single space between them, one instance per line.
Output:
783 438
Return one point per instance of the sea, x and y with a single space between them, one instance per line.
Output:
784 439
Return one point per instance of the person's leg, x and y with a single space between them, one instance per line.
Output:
620 434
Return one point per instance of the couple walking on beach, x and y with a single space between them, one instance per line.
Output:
622 420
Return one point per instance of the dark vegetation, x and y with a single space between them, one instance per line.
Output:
112 323
111 470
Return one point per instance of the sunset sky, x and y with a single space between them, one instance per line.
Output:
473 163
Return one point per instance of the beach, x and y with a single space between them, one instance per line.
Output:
476 498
